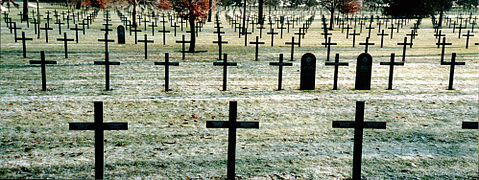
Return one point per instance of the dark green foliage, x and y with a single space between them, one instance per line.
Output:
416 8
468 4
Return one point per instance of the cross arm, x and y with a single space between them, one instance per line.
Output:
169 63
103 40
226 124
389 63
470 125
104 126
336 64
40 62
455 63
223 64
103 63
280 64
352 124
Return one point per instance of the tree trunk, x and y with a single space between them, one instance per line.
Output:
331 20
191 19
38 18
25 10
78 4
209 10
260 11
441 14
135 4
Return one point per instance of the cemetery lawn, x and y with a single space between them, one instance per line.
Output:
168 138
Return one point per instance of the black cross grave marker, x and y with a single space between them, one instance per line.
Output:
411 38
99 127
300 33
46 28
292 43
468 35
43 64
404 44
164 31
354 34
107 64
220 43
272 33
453 64
76 32
336 65
24 45
14 27
136 30
146 41
225 65
59 26
391 65
359 125
328 44
232 125
280 73
65 43
183 47
382 37
367 43
256 43
443 44
167 65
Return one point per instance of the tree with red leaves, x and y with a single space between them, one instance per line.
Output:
333 5
350 7
192 10
95 3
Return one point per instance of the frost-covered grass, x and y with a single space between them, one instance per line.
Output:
167 137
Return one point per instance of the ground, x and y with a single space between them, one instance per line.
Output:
168 138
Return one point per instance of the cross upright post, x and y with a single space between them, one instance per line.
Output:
280 64
167 65
225 65
452 64
24 45
443 50
99 127
146 41
328 44
366 44
232 125
391 65
256 43
183 48
359 125
404 44
336 65
65 43
292 43
43 64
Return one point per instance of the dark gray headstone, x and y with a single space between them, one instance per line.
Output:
363 72
308 72
121 34
281 19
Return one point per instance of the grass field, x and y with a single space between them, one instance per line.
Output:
168 138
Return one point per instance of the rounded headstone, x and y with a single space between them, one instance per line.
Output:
363 72
121 34
308 72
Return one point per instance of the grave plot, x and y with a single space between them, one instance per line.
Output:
168 108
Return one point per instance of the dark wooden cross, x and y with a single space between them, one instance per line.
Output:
43 64
367 43
146 41
220 43
369 28
65 43
391 65
76 32
281 28
153 25
174 27
328 44
392 30
256 43
183 47
443 44
336 65
280 73
83 23
46 28
106 29
99 126
107 64
245 33
438 37
14 27
106 40
453 64
167 65
232 125
470 125
359 125
354 34
272 33
59 26
225 65
382 37
292 43
164 31
411 38
24 45
347 30
404 44
468 35
136 30
260 27
300 33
